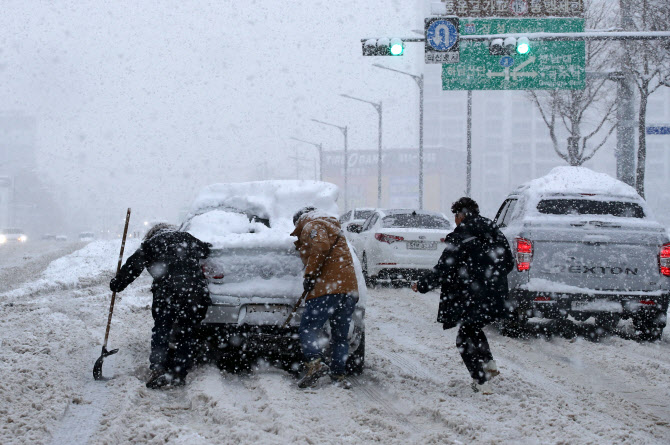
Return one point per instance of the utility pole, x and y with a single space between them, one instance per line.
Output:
468 174
625 147
419 82
378 107
319 147
344 131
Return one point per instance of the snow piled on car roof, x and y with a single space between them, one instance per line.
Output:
578 180
277 200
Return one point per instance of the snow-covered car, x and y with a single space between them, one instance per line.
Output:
586 245
12 235
61 238
255 274
398 245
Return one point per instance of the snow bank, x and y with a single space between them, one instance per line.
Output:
96 261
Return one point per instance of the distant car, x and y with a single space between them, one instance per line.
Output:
398 245
355 217
12 235
48 237
86 236
586 246
61 238
255 274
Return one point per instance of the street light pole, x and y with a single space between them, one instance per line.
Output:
378 107
419 82
319 147
344 131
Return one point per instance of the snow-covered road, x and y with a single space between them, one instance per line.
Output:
415 388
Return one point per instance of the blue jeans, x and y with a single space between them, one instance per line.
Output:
339 309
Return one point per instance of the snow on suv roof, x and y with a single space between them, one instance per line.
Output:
569 180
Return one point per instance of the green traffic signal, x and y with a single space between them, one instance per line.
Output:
523 45
397 47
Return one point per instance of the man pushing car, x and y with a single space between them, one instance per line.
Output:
332 292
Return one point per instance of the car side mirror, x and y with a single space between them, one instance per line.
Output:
354 228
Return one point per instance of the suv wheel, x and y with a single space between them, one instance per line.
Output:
649 324
356 360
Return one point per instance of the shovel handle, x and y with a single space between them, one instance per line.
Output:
118 268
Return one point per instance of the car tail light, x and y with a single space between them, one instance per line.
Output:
664 259
648 302
384 238
524 253
211 273
541 299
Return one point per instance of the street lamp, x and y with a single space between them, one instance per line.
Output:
419 82
346 160
378 107
320 148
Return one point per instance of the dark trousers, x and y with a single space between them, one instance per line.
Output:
474 348
173 337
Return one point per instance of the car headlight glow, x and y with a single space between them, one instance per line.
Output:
23 238
3 239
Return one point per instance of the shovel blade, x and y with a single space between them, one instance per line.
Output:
97 368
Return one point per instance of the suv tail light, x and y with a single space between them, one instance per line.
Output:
384 238
524 253
664 259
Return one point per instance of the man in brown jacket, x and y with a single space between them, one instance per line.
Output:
330 280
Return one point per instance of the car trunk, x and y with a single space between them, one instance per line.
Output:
596 254
423 245
262 282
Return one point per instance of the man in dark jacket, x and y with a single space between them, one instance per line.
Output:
180 298
473 273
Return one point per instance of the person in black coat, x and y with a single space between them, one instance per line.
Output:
180 298
473 274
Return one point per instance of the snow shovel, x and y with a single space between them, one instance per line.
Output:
97 368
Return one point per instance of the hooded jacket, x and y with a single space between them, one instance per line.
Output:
473 271
173 260
316 234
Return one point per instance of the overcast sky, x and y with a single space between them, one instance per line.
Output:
142 103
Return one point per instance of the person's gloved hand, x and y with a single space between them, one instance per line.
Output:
114 285
308 283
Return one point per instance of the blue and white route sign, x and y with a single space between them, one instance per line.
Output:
442 40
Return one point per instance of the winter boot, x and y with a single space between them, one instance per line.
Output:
490 369
483 388
315 370
340 381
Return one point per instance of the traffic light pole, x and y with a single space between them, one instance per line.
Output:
318 147
419 82
344 131
468 174
378 107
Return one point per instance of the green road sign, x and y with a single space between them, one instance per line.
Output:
545 66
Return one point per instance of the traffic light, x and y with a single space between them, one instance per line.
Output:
383 47
507 47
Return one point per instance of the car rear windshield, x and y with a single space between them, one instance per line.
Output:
362 214
419 221
590 207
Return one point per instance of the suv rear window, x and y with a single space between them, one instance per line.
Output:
420 221
590 207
